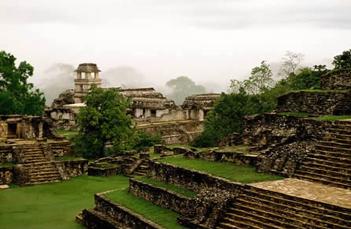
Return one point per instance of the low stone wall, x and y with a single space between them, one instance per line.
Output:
319 103
336 80
126 217
238 158
72 168
6 175
190 179
177 132
160 196
100 171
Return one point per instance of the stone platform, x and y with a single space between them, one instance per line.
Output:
309 190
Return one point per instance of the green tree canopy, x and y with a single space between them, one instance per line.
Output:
343 61
182 87
104 125
17 96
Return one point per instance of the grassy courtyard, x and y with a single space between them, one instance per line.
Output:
230 171
55 205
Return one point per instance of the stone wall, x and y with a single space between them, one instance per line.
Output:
181 132
190 179
161 196
6 175
336 80
271 129
72 168
238 158
284 160
60 148
316 102
126 217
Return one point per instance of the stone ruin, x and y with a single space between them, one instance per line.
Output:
315 152
151 111
28 149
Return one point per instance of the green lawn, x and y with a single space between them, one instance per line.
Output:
161 216
52 206
230 171
175 188
68 134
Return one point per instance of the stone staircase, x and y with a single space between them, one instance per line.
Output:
39 168
142 169
330 162
259 208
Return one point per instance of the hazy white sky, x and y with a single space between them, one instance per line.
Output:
208 40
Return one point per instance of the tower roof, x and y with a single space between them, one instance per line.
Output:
87 67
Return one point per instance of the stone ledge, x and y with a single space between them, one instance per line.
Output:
193 180
235 157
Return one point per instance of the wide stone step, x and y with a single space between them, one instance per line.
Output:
299 203
272 216
339 130
42 169
338 139
334 144
344 175
326 147
45 177
254 220
44 173
329 158
331 153
300 216
314 178
223 225
332 167
42 182
331 177
329 163
33 160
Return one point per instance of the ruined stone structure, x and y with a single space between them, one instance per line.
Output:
151 111
87 75
28 149
24 127
198 106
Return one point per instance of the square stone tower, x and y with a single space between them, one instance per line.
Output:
87 75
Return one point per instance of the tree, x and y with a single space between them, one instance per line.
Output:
291 63
343 61
259 81
104 126
227 116
17 96
183 87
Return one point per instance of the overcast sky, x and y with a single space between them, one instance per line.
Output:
211 41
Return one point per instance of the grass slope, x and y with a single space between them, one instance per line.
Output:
230 171
52 206
161 216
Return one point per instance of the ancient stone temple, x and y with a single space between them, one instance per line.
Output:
198 106
24 127
147 103
87 75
